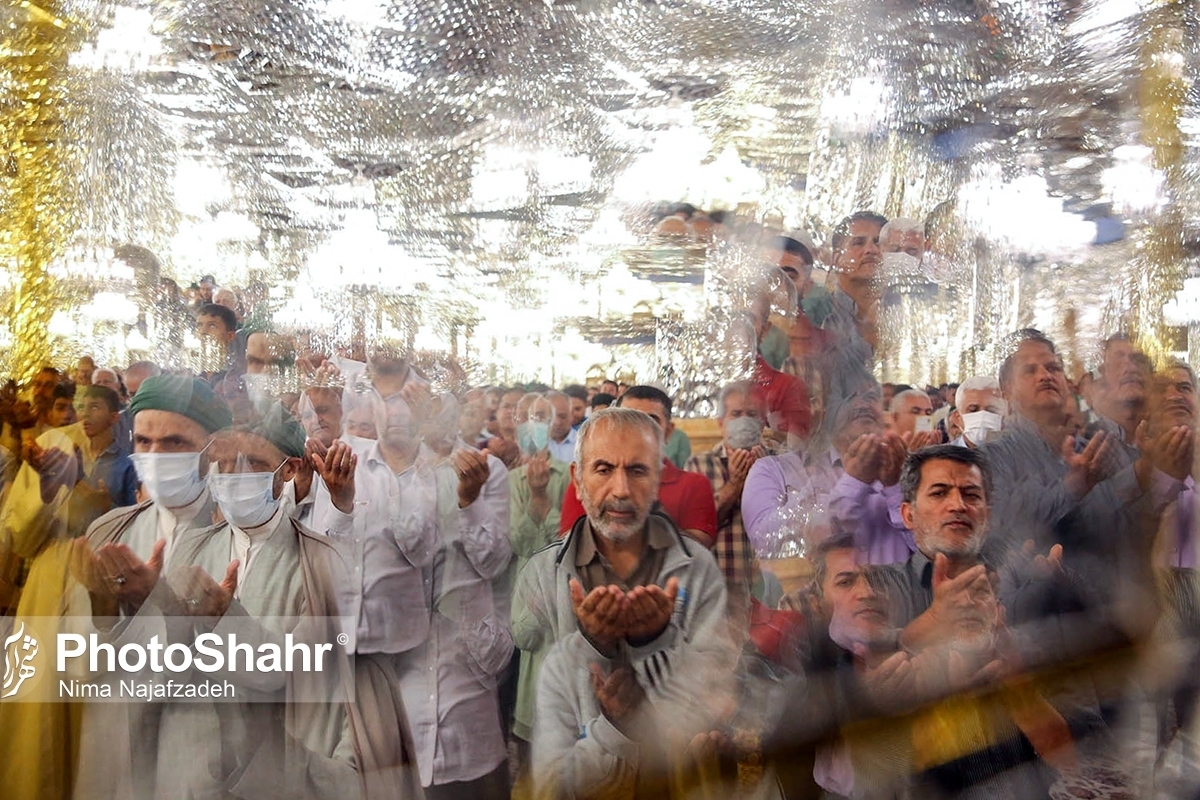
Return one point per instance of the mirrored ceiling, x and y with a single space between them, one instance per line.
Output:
480 179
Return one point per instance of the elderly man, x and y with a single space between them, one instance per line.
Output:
685 496
911 412
120 560
107 377
635 610
562 434
277 579
726 466
903 235
979 411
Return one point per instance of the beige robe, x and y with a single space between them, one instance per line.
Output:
117 750
277 747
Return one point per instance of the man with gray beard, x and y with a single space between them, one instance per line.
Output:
633 612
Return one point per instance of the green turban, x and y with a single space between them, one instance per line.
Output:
281 429
179 394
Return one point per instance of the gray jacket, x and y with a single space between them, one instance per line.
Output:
576 750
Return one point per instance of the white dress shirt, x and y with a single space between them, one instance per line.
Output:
449 681
564 451
393 536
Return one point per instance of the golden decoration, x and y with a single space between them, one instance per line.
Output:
36 206
1159 256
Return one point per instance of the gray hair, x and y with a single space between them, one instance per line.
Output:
618 418
902 225
898 400
976 383
743 388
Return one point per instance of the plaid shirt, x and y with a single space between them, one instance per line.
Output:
733 551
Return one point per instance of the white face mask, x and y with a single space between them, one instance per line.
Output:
742 433
246 499
900 264
977 425
171 479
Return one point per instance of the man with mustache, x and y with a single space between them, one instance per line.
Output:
636 610
1051 492
1173 407
851 320
1121 395
684 496
943 632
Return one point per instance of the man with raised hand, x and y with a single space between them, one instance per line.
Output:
124 553
277 578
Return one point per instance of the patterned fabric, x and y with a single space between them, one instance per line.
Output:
733 551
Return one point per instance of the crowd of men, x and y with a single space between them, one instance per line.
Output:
972 590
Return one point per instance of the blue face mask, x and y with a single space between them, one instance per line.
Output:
533 437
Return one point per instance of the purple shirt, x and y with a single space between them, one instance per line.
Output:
872 513
792 502
1183 545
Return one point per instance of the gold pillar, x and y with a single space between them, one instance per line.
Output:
1162 91
35 215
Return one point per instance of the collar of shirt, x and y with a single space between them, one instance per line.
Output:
245 544
670 472
827 459
89 461
657 538
424 456
170 521
920 569
185 515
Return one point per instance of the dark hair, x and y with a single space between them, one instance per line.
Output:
910 475
687 209
1013 343
65 390
842 231
576 391
602 399
110 398
901 388
794 247
718 216
49 368
839 540
1116 337
215 310
643 392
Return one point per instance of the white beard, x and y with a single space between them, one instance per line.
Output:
614 533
